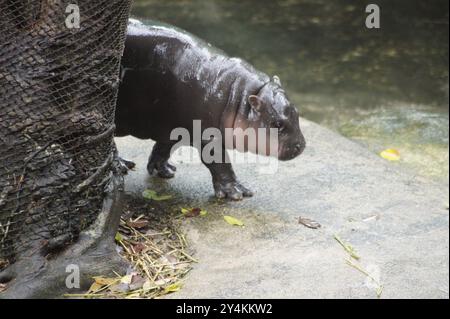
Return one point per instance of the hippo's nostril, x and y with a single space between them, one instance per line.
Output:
300 147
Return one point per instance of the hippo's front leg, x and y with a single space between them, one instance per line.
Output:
225 182
159 160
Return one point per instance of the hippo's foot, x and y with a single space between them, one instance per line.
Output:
163 169
234 191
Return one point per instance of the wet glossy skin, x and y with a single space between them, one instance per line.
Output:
170 78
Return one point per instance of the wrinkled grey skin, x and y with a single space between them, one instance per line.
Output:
170 78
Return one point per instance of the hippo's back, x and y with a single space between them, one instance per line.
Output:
170 77
149 95
160 45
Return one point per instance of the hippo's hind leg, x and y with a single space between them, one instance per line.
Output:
224 179
159 160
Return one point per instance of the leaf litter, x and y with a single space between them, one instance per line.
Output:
155 248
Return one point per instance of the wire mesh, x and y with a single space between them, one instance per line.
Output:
58 89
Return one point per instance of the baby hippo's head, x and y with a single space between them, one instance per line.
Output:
271 109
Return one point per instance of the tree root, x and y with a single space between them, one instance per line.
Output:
93 254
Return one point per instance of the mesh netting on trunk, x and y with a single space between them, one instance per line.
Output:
58 88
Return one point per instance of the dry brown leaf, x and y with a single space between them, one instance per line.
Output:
120 288
139 224
140 248
309 223
105 281
137 282
193 212
95 287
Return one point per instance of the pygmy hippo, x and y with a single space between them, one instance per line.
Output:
170 78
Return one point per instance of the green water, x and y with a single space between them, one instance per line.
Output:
385 88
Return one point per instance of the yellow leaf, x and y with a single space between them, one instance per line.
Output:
203 213
126 279
148 194
233 221
173 288
133 296
105 281
95 287
160 198
152 195
390 155
118 237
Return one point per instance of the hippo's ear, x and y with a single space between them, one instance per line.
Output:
277 80
255 102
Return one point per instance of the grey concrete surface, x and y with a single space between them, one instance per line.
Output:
398 224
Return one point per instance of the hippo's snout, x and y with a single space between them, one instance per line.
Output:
292 148
300 147
291 152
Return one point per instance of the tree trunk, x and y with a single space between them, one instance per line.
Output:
60 180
